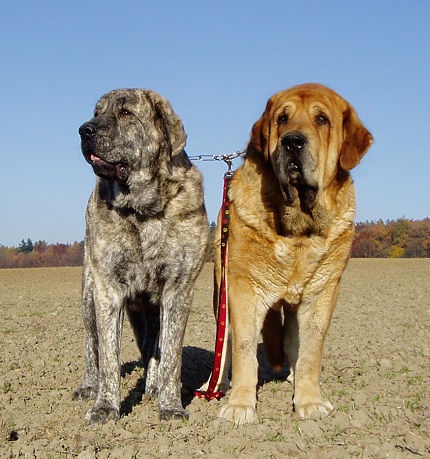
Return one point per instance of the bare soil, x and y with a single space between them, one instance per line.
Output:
376 373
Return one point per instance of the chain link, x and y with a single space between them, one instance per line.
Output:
228 159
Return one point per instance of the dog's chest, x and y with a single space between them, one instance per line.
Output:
278 266
137 255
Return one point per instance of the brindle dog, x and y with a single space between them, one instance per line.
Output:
145 244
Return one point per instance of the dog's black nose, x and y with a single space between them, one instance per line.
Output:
294 141
87 130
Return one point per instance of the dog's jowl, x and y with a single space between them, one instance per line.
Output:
146 238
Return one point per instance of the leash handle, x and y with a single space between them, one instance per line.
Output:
222 328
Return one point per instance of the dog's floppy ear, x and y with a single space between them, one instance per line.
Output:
262 133
170 123
357 140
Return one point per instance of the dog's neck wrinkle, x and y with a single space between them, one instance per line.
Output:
144 201
296 222
122 198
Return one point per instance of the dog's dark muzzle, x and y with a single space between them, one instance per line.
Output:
294 173
109 170
293 144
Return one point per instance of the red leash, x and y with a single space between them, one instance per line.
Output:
222 332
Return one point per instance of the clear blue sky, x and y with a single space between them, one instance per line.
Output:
218 63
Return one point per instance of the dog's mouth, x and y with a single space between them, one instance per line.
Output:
296 185
293 171
296 170
105 169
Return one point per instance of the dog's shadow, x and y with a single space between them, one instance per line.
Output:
196 369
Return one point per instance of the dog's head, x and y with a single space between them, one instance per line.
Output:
133 130
309 133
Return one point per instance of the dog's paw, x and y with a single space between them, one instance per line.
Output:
84 393
167 414
239 414
314 410
101 414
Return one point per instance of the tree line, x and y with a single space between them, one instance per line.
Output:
41 255
401 238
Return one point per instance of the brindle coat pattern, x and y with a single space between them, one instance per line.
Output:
145 243
291 229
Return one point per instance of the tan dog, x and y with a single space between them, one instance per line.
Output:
291 229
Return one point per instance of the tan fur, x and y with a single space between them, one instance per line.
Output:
290 240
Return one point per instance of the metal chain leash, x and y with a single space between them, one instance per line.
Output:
228 159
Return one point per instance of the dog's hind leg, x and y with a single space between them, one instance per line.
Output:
176 305
146 327
291 339
137 322
88 388
272 333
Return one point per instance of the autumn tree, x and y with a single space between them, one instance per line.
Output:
392 239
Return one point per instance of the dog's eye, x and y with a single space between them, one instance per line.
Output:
283 119
322 119
124 112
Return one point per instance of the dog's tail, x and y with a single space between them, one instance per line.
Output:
273 337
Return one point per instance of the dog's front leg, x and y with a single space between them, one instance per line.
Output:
110 314
246 319
175 309
313 321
